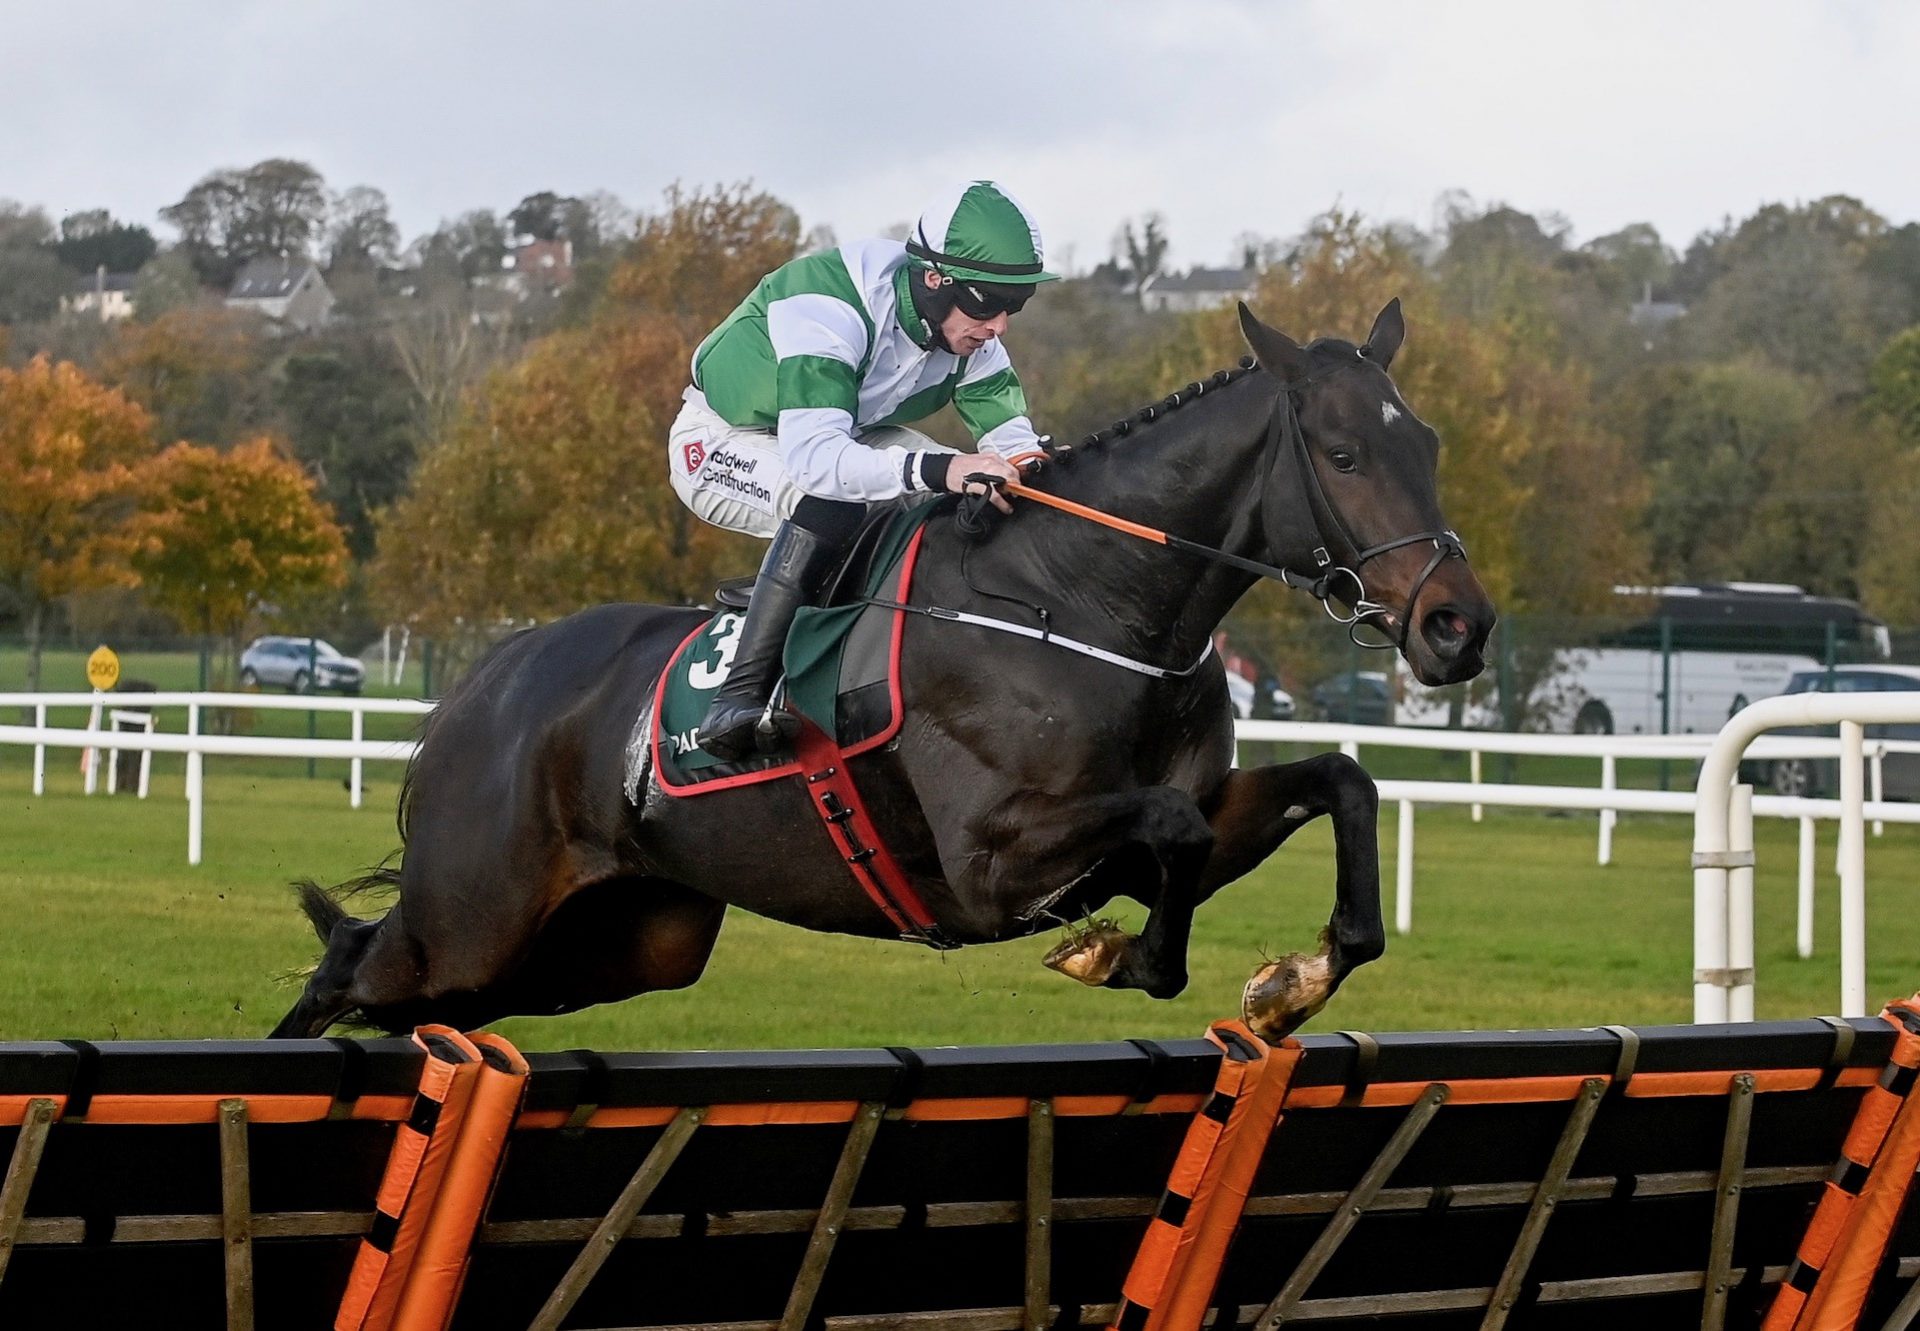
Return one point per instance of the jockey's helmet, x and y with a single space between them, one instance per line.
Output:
984 245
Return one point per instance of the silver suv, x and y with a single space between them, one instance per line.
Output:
299 665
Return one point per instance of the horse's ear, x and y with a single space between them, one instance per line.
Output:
1389 331
1276 352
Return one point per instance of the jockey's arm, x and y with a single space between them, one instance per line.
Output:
993 405
818 344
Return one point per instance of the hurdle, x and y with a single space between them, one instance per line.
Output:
1685 1175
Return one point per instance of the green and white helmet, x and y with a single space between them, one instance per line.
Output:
979 232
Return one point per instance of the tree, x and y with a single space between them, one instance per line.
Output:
470 246
360 230
92 240
1145 249
1895 384
196 369
223 536
542 215
274 207
164 283
22 227
32 281
68 450
1631 261
346 407
1793 285
549 491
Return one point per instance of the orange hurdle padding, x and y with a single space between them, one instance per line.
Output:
422 1148
1169 1247
1184 1306
1885 1126
440 1262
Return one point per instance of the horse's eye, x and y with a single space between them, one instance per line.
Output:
1342 459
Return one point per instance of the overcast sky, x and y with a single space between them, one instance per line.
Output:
1227 116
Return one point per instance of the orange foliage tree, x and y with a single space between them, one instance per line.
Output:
549 492
68 453
226 535
195 369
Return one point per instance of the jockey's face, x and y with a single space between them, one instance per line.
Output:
964 334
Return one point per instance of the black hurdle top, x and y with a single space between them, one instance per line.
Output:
348 1069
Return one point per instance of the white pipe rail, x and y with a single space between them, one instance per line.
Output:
1716 974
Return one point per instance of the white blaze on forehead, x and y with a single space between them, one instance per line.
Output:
1389 413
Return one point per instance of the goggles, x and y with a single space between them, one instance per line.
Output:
987 300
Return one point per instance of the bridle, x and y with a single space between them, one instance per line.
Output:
1285 435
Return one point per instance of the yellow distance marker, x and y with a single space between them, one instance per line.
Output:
103 669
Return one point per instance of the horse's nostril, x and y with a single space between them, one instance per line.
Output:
1447 630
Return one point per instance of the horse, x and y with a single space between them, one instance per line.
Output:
1028 785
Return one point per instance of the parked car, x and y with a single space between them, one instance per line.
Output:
1821 776
1356 697
300 664
1262 701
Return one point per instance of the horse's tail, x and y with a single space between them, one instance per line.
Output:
322 905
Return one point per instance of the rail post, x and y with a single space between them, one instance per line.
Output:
1803 930
1740 905
1473 774
1878 786
1609 780
1403 872
359 733
1853 873
40 751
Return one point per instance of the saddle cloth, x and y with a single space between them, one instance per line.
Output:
842 667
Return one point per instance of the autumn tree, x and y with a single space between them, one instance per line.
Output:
223 536
549 490
68 450
196 369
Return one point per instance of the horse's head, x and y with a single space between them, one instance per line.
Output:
1352 494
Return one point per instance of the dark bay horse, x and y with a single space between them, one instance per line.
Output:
1028 785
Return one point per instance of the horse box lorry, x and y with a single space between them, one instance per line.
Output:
1677 660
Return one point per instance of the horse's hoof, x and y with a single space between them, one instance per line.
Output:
1090 956
1285 993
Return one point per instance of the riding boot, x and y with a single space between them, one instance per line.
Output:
739 721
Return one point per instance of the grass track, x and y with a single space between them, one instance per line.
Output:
109 934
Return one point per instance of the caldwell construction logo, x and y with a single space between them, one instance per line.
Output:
696 454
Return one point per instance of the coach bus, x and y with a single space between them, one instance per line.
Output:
1683 659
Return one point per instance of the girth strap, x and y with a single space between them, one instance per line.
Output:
834 797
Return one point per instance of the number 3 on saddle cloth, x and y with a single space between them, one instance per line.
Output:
842 674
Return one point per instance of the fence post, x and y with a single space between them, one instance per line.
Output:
1403 872
1853 873
359 733
426 669
1803 930
1740 907
1609 780
1666 689
1473 774
40 751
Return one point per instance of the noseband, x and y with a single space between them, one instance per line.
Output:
1284 434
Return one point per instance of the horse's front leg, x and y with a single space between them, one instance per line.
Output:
1255 812
1150 844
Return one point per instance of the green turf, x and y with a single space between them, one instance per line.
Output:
109 934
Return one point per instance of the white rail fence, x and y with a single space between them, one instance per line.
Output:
1723 923
358 750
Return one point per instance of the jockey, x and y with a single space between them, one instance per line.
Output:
795 421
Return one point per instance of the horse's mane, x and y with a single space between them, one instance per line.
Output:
1154 411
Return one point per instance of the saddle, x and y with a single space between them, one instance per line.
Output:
847 580
841 663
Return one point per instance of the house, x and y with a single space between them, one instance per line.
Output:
288 291
1198 289
533 266
1650 316
107 296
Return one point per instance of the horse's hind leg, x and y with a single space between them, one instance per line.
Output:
1258 810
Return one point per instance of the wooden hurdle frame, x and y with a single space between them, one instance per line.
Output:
1198 1242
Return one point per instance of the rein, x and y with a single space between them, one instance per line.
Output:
1284 428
